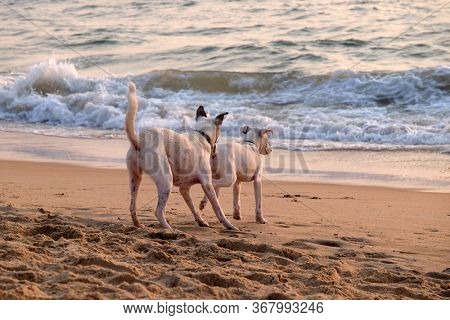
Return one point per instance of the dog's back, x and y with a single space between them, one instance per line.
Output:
180 150
237 158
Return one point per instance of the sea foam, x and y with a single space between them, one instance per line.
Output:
343 109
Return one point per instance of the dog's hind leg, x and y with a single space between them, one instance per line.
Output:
135 175
164 190
135 182
185 192
203 203
164 180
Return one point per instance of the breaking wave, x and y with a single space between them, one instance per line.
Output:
342 109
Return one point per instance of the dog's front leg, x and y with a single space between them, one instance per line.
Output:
211 194
204 201
217 184
185 192
257 183
237 200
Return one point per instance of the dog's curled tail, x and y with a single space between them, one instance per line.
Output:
130 118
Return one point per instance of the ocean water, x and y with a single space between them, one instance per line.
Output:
362 75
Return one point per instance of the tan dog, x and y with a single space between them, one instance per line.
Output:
170 158
241 162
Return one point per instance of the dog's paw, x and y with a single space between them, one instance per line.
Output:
176 232
203 224
231 227
261 220
137 224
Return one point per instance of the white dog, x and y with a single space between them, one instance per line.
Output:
170 158
241 162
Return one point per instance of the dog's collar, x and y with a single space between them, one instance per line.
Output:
208 139
248 141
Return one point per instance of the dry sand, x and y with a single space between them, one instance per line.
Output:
65 233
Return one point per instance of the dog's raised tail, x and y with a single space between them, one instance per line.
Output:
130 117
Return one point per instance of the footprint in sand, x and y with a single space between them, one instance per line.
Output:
282 225
358 241
329 243
301 225
299 244
57 231
377 255
242 245
326 242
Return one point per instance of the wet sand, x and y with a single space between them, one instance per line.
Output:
414 169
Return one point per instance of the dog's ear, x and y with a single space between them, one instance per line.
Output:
219 119
245 129
265 131
200 113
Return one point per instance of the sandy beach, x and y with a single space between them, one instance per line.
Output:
66 234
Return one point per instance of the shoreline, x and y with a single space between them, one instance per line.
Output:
413 170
